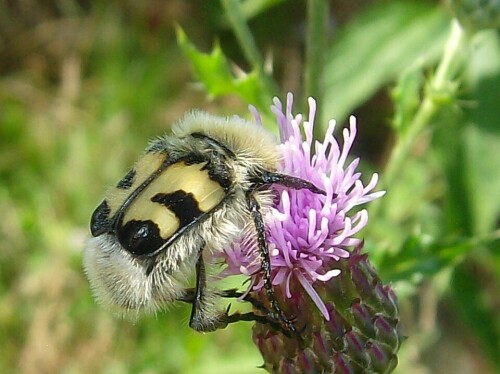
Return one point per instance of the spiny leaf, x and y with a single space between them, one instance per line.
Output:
214 71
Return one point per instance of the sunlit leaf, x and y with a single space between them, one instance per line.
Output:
376 47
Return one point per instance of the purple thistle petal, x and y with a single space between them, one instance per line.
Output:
256 115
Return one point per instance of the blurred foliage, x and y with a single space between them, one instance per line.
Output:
85 83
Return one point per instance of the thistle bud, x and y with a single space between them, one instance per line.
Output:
361 334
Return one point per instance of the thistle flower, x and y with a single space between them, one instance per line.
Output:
319 276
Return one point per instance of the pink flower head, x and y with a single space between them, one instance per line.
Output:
308 233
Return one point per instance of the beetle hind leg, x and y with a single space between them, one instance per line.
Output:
222 320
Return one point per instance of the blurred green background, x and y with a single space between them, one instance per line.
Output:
85 83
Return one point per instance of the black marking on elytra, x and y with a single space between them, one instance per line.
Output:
127 181
140 237
118 217
182 230
100 222
219 172
217 167
183 204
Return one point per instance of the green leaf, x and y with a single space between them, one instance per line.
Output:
482 132
450 154
418 258
477 310
376 47
492 257
469 158
214 72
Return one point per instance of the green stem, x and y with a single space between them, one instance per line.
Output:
442 84
246 41
317 18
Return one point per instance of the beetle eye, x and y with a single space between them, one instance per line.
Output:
140 237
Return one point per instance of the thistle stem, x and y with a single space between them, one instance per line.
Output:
441 85
439 92
317 18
